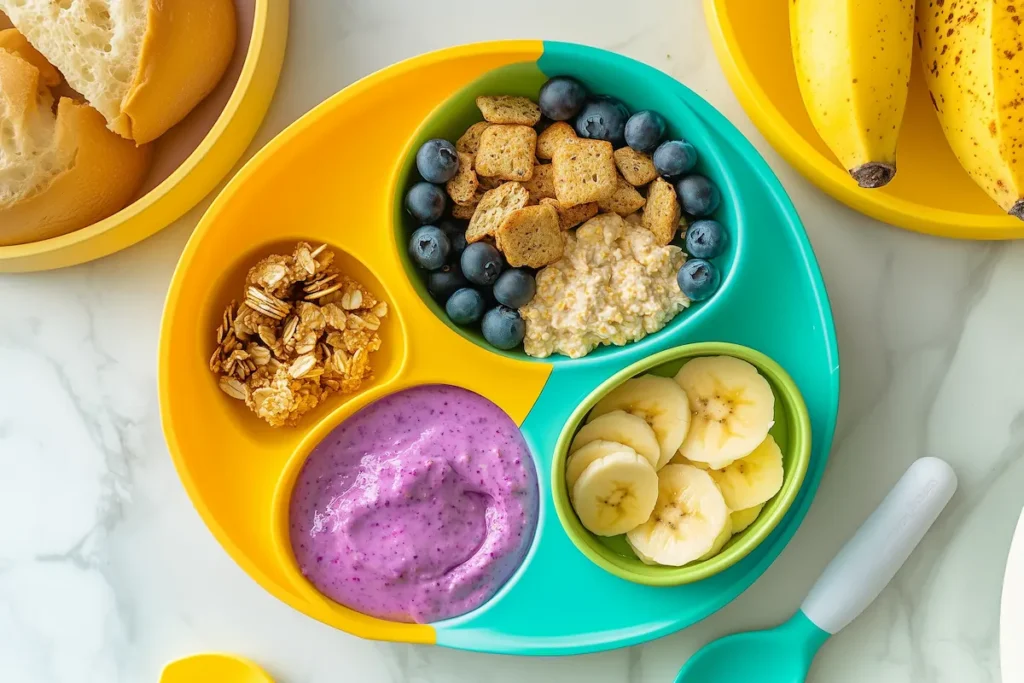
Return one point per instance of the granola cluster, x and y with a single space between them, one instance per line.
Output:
303 332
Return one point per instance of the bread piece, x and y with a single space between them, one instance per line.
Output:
624 201
508 109
493 208
574 215
462 188
507 152
662 212
57 173
552 138
470 140
636 167
144 64
584 172
531 237
541 184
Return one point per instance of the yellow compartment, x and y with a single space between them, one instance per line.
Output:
331 177
191 158
931 193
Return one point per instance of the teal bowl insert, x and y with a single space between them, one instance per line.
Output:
792 431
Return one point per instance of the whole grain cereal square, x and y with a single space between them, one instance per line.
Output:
662 212
625 201
494 208
636 167
584 172
470 140
507 152
574 215
462 188
488 183
464 213
508 109
542 184
531 237
552 138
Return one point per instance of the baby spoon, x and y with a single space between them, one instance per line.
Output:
850 583
214 668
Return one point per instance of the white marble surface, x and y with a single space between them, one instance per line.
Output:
106 571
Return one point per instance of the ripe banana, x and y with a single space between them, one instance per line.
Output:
660 402
619 426
973 57
852 61
586 455
752 480
741 519
615 493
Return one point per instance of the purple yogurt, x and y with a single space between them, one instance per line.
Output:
418 507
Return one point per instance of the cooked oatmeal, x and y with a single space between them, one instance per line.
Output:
613 285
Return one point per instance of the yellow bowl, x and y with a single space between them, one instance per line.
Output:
931 192
191 158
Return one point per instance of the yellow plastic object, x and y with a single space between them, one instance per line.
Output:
195 177
931 193
330 177
214 668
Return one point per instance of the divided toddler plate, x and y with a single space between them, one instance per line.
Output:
931 192
337 176
191 158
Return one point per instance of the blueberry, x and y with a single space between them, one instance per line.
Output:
429 247
705 239
425 202
503 328
603 118
465 307
437 161
443 283
674 157
456 233
644 130
698 195
561 98
515 288
481 263
698 279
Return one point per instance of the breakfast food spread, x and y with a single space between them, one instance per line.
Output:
525 178
678 465
303 332
417 508
615 284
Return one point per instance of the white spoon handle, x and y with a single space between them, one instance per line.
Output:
870 559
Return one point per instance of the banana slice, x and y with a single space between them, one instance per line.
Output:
640 556
741 519
723 538
615 493
752 480
660 402
620 427
678 459
687 521
582 459
733 408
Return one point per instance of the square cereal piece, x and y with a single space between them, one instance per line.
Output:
470 140
531 237
662 212
462 188
636 167
574 215
552 138
488 183
508 109
507 152
493 208
542 184
464 213
584 172
625 201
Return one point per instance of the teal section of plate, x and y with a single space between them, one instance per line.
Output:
772 299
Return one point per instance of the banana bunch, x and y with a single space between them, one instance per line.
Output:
678 465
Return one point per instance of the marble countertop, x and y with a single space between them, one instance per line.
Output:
107 572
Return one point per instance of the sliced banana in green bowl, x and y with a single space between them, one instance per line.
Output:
680 465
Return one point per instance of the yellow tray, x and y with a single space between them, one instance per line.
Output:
931 192
191 158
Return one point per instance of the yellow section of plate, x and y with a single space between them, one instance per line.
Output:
194 178
330 177
214 668
931 193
